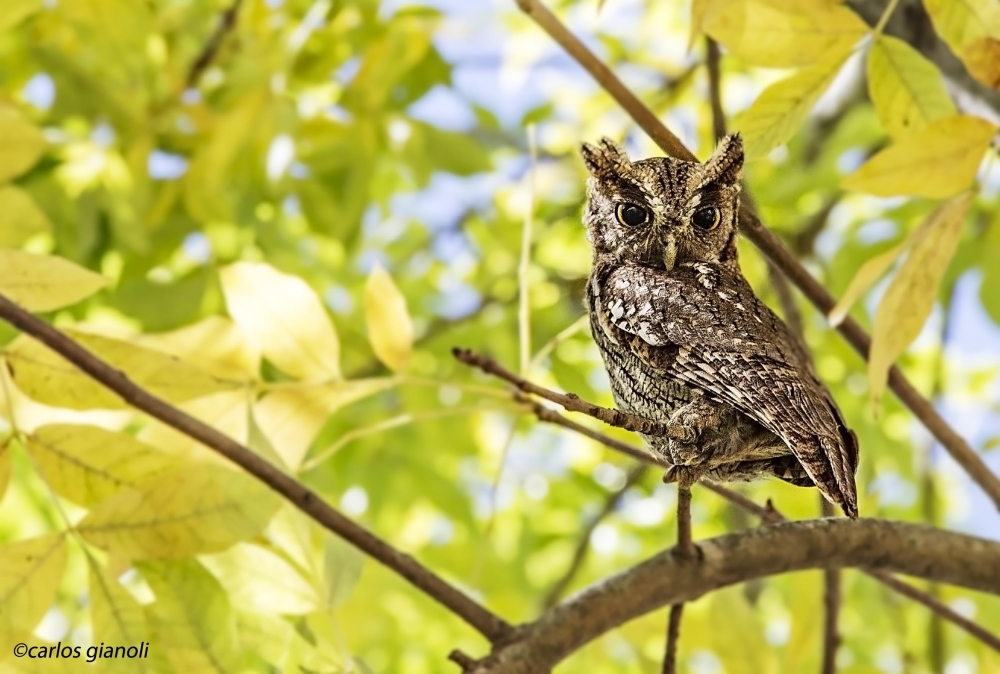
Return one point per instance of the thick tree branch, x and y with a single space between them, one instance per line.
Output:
767 242
669 578
488 624
770 515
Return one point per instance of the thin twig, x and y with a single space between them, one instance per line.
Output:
767 242
635 475
227 22
831 607
489 625
685 548
673 637
571 402
770 515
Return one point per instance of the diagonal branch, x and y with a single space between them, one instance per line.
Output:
669 578
306 500
227 22
766 241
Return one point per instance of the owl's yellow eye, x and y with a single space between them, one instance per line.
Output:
631 215
706 219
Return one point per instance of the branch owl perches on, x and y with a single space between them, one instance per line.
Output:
684 339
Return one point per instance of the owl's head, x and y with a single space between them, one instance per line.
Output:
661 212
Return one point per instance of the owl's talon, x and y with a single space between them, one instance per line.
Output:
682 474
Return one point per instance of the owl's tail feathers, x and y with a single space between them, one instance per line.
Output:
838 484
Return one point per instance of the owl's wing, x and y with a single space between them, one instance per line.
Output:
708 329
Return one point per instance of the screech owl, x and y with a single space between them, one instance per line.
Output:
684 339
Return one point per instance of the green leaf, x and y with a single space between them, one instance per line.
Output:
937 162
45 283
780 109
191 620
30 574
257 579
430 149
187 511
117 618
342 564
16 11
390 330
47 377
906 88
21 143
87 464
20 217
284 318
913 291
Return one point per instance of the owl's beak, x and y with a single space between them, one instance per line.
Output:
669 251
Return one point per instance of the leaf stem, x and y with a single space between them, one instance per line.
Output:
884 19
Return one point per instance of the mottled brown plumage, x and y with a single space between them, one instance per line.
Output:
685 340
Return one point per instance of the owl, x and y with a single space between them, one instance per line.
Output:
686 342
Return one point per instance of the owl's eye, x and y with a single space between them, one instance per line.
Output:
706 219
631 215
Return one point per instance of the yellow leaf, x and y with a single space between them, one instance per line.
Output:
191 620
866 276
43 282
16 11
117 618
226 412
87 464
937 162
342 565
982 59
187 511
390 329
905 88
45 376
782 34
283 316
30 574
738 629
21 143
257 579
960 22
20 217
293 415
215 344
780 109
911 294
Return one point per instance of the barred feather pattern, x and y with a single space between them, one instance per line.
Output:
685 340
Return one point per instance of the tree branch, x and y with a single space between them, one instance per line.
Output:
227 21
310 503
771 246
831 607
669 578
571 402
770 515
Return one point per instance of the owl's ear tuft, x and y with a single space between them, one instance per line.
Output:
725 166
604 158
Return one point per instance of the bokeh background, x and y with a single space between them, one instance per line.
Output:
327 138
